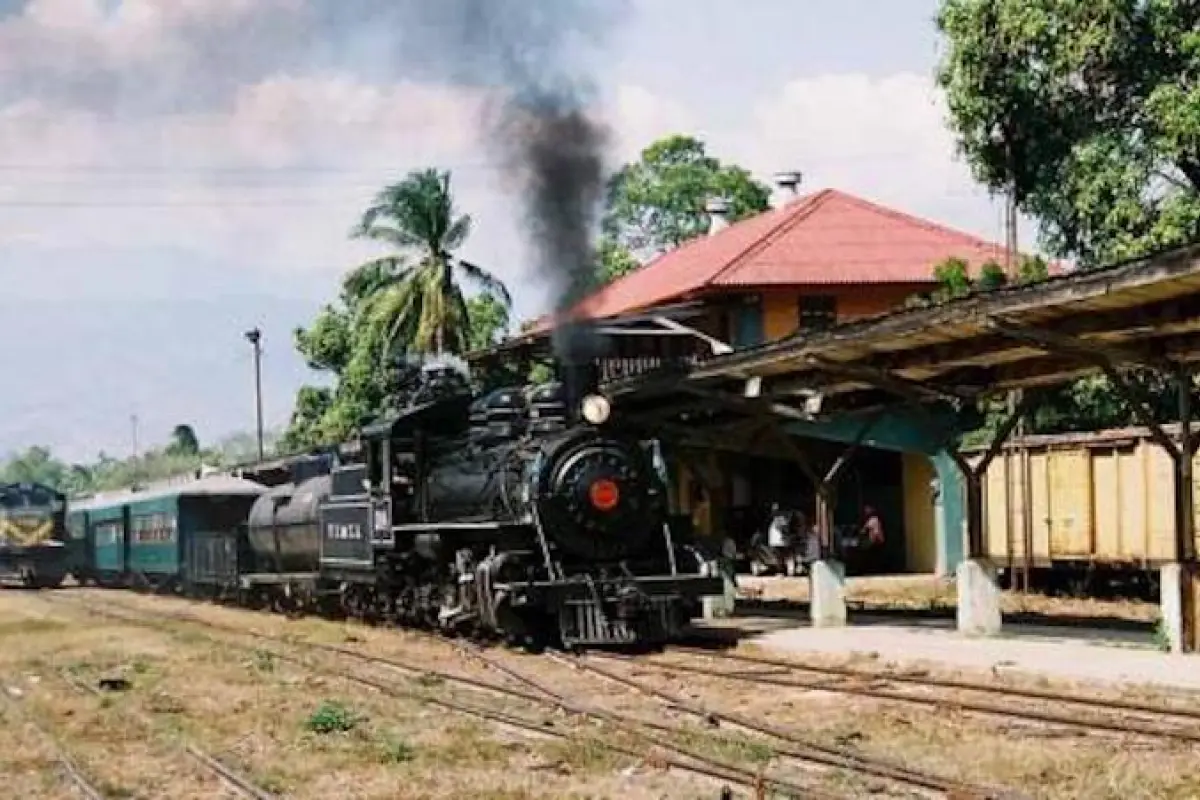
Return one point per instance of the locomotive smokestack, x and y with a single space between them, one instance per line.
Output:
556 150
580 378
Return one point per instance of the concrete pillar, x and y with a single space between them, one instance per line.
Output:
721 605
978 598
827 590
949 517
1170 605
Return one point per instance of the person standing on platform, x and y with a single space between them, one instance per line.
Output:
779 537
873 529
811 539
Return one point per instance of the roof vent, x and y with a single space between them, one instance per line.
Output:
717 209
789 182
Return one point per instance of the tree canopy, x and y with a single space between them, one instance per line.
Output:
408 302
420 307
1089 111
657 202
106 473
183 441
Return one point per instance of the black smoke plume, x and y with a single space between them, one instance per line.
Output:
557 153
553 147
538 58
548 142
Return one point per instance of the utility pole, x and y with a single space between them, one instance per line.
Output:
1012 262
134 467
254 336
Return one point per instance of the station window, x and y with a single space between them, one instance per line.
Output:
817 312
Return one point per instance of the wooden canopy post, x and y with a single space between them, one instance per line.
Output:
1179 581
917 395
973 475
825 484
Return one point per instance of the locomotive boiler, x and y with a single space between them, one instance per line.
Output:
513 514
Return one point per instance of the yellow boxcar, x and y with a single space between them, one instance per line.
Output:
1101 499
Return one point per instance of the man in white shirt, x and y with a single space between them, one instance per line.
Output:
779 537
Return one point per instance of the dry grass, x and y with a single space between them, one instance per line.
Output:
252 709
1044 761
925 593
242 702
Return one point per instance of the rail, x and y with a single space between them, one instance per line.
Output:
673 754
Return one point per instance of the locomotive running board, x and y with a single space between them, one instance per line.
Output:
432 527
651 585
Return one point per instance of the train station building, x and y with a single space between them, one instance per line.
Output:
818 260
780 355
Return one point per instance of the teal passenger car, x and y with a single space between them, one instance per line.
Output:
145 538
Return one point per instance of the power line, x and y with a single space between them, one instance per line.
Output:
198 169
107 203
351 169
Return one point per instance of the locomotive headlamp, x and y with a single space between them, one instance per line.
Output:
596 409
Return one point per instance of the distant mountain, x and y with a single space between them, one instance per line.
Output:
74 371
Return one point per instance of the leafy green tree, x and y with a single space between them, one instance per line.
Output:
35 465
183 442
991 276
421 307
953 277
409 301
489 320
614 261
308 415
657 203
106 473
1033 269
1089 111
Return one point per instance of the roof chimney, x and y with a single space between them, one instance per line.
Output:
717 209
789 182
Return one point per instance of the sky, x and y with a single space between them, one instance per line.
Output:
175 172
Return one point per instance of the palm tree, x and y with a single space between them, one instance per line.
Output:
183 441
421 306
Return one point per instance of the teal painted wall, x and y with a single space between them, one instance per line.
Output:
154 556
903 431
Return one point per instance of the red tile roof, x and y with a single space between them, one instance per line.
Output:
828 237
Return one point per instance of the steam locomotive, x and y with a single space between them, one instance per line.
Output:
526 513
34 548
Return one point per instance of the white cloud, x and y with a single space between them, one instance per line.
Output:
639 116
882 137
276 180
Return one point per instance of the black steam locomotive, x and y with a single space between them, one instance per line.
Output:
35 550
525 513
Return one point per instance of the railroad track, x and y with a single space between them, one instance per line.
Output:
78 779
242 785
671 753
782 673
794 745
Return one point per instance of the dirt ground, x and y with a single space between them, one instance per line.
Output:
927 593
303 733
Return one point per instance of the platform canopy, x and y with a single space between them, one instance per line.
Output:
1139 313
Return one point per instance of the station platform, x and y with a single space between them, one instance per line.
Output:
1098 647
